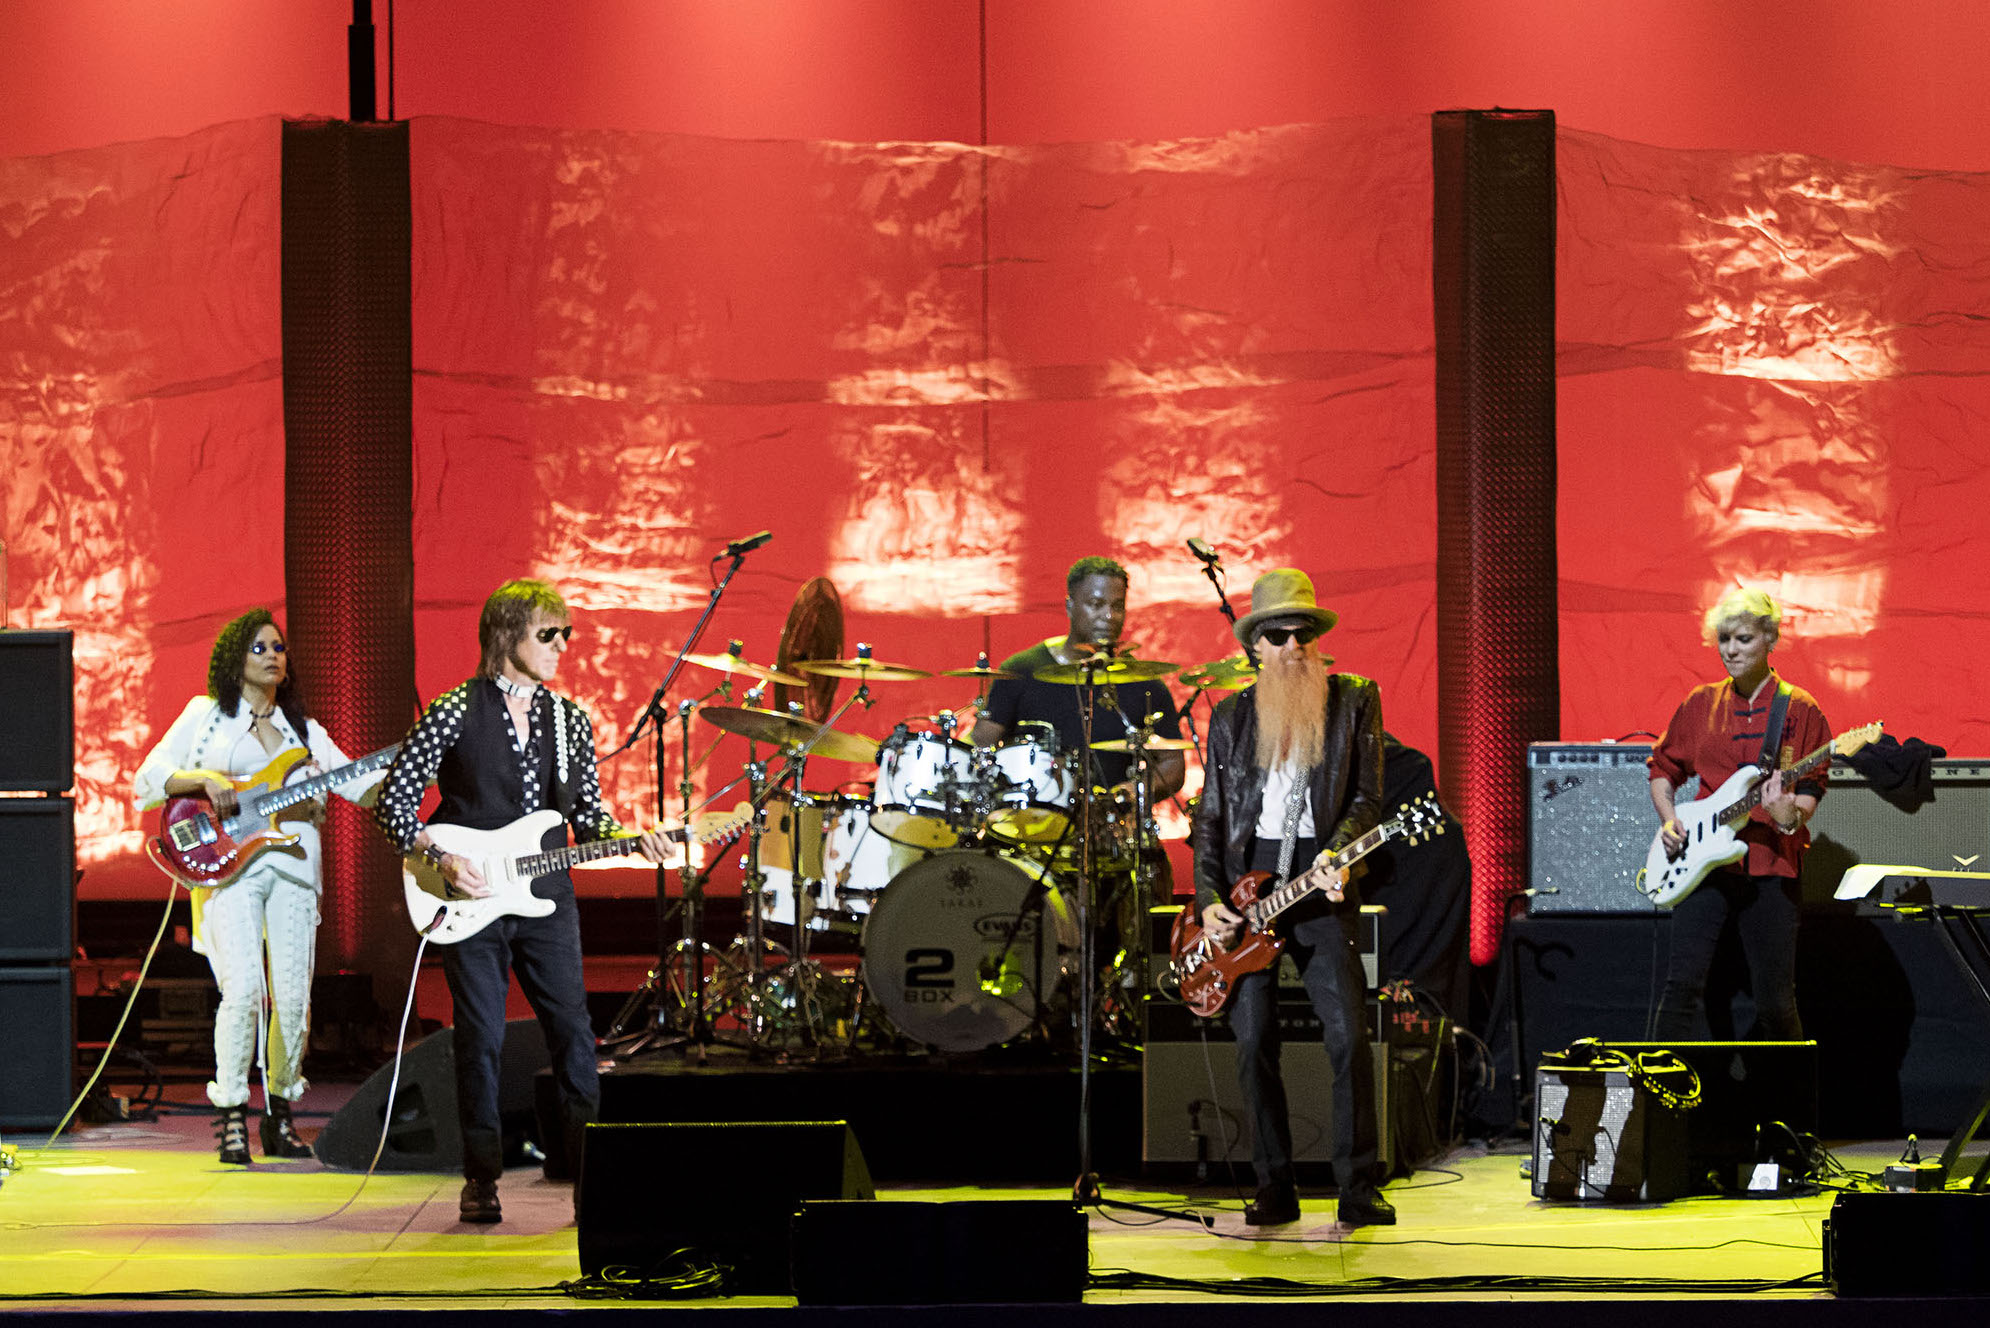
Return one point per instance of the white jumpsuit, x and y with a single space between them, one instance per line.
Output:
274 901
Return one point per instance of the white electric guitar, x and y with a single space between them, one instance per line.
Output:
1709 823
510 859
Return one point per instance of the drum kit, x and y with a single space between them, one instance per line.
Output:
965 876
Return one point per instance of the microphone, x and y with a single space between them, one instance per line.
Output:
1202 551
747 545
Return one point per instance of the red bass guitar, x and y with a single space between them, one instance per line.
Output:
203 849
1206 973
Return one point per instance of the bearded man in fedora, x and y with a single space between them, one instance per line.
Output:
1294 772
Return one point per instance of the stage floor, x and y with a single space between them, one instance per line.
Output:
140 1216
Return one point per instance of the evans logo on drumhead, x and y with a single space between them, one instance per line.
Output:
995 926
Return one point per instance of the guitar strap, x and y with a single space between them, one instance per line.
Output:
1772 740
1295 802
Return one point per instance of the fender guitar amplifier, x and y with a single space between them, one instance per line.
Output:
1589 822
1609 1132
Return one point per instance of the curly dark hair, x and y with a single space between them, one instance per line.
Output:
1096 565
507 613
224 669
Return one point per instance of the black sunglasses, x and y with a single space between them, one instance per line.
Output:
1278 636
546 634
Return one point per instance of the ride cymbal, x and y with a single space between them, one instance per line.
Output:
863 668
982 669
781 730
1156 744
1098 672
1223 675
730 663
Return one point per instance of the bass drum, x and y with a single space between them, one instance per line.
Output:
963 949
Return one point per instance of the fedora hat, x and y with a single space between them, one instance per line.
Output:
1283 592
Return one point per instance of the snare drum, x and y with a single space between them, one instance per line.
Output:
1031 802
927 791
963 948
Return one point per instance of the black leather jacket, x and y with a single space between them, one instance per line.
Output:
1347 786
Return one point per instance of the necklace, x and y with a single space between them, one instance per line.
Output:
522 690
257 716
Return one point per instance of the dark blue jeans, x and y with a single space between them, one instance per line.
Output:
1321 943
1763 910
545 953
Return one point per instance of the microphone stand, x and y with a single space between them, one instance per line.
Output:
1085 1189
697 1032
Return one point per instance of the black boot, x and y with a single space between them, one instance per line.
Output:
280 1137
231 1127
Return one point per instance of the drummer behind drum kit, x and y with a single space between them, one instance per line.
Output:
957 868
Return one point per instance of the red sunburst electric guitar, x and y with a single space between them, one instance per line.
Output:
203 849
1207 973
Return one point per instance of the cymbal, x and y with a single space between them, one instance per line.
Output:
1156 744
862 668
1100 672
735 664
982 669
791 731
1225 675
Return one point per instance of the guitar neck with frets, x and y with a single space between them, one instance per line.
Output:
1752 799
307 790
1258 914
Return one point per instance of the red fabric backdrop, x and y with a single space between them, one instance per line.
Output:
630 348
141 434
1773 371
938 373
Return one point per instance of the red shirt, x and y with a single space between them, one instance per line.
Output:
1716 732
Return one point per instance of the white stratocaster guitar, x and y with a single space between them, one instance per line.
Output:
510 859
1709 823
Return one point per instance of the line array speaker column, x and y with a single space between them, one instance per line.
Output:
1493 284
348 544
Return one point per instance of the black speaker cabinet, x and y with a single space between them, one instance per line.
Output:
1589 822
424 1134
1886 1244
37 879
973 1252
1855 824
725 1192
38 678
1193 1118
37 1046
1600 1135
1754 1097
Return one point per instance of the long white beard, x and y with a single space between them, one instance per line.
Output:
1292 713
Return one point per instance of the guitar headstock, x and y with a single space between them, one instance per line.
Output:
1852 740
1420 818
721 827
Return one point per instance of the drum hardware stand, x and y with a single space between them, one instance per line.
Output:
696 1033
804 971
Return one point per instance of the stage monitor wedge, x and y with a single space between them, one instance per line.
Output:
656 1198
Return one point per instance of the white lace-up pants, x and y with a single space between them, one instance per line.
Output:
263 903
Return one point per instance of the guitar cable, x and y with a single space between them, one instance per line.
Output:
386 1115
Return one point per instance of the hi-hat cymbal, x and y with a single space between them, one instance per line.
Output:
1156 744
1224 675
1101 671
791 731
735 664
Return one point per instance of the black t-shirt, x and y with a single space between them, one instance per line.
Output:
1024 697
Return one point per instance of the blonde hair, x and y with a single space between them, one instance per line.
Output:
1742 602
